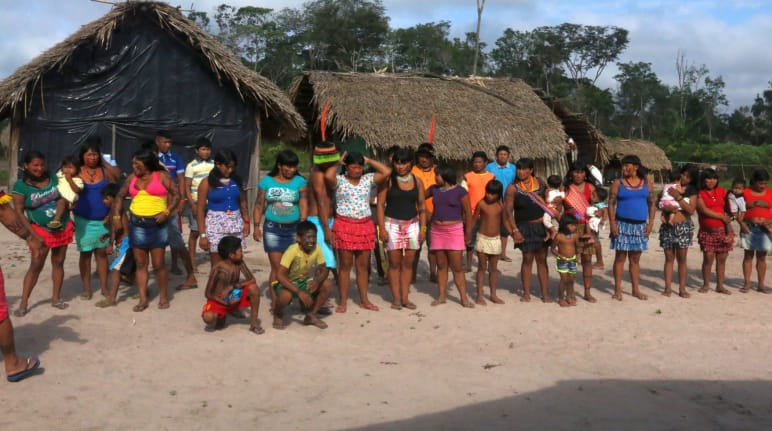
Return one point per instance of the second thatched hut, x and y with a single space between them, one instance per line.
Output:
652 157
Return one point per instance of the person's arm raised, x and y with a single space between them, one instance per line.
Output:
382 171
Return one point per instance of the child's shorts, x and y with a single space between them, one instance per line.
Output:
221 309
123 250
566 266
490 245
301 284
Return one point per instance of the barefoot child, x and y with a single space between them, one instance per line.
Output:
555 195
295 281
564 248
69 185
120 238
491 215
224 293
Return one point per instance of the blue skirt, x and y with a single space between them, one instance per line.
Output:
145 233
277 237
757 239
631 237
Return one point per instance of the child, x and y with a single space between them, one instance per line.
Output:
124 261
224 294
555 195
564 248
668 201
195 172
476 182
295 281
491 215
736 199
69 185
597 213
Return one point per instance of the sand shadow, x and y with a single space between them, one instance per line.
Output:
37 337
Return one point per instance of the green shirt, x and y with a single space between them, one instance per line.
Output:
40 203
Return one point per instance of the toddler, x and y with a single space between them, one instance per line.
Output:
597 211
555 195
69 185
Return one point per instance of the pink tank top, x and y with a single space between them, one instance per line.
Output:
154 188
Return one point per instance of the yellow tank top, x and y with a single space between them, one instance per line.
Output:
146 205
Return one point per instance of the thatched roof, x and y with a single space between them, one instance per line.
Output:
277 111
389 109
652 156
585 135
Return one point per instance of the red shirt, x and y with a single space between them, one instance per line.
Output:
758 211
714 200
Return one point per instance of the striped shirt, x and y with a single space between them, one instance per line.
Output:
196 171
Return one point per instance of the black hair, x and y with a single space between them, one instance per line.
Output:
110 189
554 181
93 143
693 171
284 158
673 176
447 173
202 142
565 221
425 149
632 159
150 145
304 227
737 181
31 155
494 187
602 193
402 155
503 148
759 175
353 158
223 157
162 134
227 245
149 158
479 154
392 150
71 160
524 163
707 174
577 165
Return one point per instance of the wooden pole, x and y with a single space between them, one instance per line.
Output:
13 157
254 168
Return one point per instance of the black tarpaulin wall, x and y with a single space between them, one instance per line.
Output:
147 80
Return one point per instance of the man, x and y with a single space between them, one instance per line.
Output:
424 170
505 172
196 171
176 168
16 369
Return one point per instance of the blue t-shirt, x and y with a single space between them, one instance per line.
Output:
505 174
173 164
282 199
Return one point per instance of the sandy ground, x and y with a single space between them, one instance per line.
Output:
666 363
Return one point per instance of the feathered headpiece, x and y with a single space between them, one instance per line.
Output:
325 152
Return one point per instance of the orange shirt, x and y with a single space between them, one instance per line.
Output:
476 186
429 178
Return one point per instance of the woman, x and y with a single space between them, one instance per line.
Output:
715 236
402 224
224 212
91 234
631 208
353 229
675 235
451 212
578 193
281 198
756 238
34 197
525 202
152 195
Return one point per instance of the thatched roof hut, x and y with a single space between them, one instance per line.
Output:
389 109
652 156
143 67
589 140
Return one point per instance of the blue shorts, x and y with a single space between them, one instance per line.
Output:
188 213
175 235
145 233
122 250
566 266
329 255
277 237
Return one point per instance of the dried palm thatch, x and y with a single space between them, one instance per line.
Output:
389 109
652 156
587 138
274 107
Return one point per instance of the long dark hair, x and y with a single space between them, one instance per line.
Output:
223 157
284 158
694 173
708 174
635 160
401 155
28 158
93 143
149 159
578 165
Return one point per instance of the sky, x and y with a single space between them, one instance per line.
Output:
727 36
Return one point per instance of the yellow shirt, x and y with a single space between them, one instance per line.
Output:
299 263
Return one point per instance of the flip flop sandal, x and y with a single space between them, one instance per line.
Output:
60 304
20 312
33 363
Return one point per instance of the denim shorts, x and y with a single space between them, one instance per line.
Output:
145 233
277 237
192 222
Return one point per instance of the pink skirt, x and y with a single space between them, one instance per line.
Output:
447 237
353 234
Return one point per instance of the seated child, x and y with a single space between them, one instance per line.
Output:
668 201
554 199
295 280
564 248
224 293
69 185
491 215
597 212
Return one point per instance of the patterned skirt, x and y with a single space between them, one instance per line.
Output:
676 236
631 237
220 224
715 240
353 234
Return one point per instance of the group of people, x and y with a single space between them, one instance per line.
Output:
351 204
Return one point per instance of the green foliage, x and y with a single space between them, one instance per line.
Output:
269 150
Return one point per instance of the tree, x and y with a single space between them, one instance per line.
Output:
534 57
638 90
420 48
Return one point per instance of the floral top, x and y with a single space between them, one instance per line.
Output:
354 200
